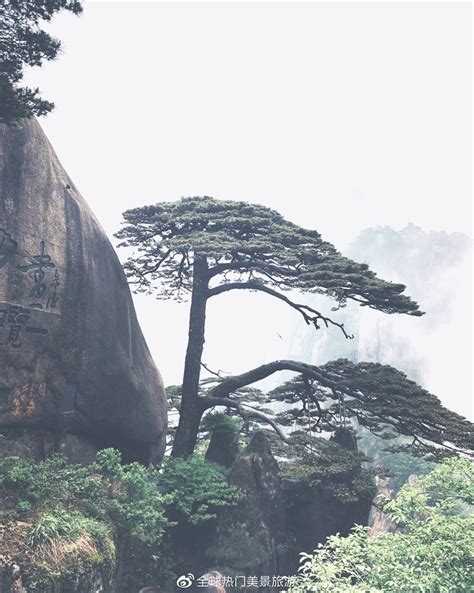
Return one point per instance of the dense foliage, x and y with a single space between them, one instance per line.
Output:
125 497
23 43
431 551
246 246
197 489
64 519
235 549
378 398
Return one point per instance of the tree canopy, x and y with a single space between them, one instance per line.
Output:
246 246
377 397
24 43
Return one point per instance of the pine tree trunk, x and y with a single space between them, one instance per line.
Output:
190 411
188 429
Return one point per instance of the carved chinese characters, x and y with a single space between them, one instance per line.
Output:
38 282
38 266
14 320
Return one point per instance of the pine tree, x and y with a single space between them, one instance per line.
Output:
202 247
24 43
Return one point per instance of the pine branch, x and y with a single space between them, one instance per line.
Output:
311 316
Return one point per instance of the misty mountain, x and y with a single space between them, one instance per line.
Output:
433 350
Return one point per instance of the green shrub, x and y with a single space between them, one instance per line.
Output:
236 550
218 419
432 553
130 497
67 549
123 497
197 488
52 482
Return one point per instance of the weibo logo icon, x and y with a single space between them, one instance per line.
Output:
185 581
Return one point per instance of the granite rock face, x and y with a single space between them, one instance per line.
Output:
280 517
315 514
252 538
75 371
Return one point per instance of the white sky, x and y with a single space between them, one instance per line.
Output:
340 116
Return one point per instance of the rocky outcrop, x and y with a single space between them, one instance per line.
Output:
379 521
281 517
331 504
75 371
222 447
316 513
251 538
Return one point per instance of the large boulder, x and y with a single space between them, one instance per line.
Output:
75 371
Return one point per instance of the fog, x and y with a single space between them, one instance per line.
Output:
341 116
